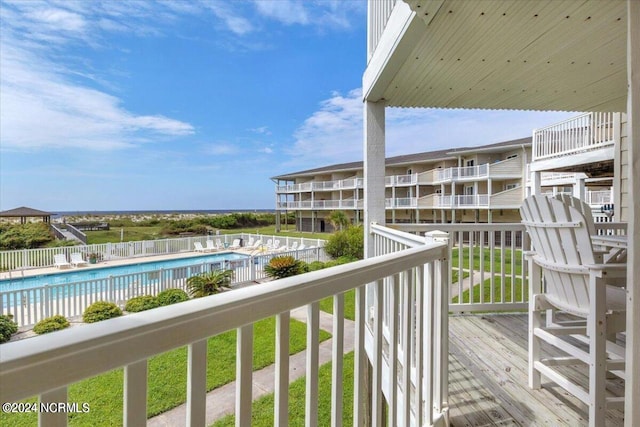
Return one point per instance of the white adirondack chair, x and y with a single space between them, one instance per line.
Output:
586 291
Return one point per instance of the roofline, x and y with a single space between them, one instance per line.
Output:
389 161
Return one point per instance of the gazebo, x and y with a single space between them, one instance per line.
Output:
23 213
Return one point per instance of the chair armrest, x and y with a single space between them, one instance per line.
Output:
612 271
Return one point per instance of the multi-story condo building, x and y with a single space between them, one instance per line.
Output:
472 184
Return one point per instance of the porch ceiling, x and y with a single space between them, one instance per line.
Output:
513 54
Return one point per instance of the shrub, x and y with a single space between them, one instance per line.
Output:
210 283
141 303
283 266
346 243
7 327
315 265
172 296
100 310
51 324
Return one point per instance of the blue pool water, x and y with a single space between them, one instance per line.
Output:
84 274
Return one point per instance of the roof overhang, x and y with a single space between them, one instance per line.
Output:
565 55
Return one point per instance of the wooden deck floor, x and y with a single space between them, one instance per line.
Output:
488 378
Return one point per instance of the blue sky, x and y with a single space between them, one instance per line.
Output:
136 105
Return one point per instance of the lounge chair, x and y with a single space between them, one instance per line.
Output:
250 242
60 261
219 244
294 246
302 246
199 247
235 244
77 260
211 247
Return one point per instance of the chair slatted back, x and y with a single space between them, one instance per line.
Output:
582 206
562 245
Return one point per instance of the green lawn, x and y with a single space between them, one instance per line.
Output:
326 305
167 377
497 257
518 291
262 409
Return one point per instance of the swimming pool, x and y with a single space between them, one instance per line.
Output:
83 275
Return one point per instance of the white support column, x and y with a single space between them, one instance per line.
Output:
632 383
535 183
374 170
578 188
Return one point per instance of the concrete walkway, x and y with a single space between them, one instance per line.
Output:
221 401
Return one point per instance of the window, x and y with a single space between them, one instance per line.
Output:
511 186
468 191
512 156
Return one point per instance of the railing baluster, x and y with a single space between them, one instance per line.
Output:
52 418
311 395
392 398
406 350
419 349
135 394
360 364
338 355
281 405
244 374
376 390
197 383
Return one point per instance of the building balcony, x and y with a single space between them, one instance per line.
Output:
407 330
320 205
401 203
508 199
505 169
400 180
343 184
587 138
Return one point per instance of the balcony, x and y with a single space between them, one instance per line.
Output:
461 369
401 203
320 204
504 169
343 184
587 138
401 180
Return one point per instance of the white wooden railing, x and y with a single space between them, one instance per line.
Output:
411 324
463 172
321 204
43 257
28 306
491 273
462 201
400 180
586 132
401 202
343 184
32 367
599 197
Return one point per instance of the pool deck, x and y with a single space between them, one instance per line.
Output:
29 272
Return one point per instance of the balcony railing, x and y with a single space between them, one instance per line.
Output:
321 204
465 172
344 184
378 15
598 198
587 132
400 180
401 203
407 281
462 201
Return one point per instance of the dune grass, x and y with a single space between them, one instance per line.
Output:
167 377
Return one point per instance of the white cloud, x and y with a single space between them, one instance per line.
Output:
40 108
266 150
235 23
334 133
221 149
262 130
287 12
